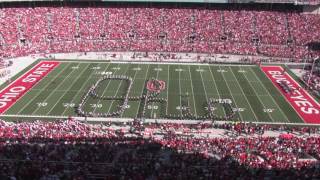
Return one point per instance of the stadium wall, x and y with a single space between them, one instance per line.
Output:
312 9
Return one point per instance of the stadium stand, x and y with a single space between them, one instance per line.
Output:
225 30
73 150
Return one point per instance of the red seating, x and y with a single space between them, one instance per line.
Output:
26 30
78 149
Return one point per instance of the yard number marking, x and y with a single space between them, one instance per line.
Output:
68 105
222 70
152 107
136 69
238 109
96 67
42 104
268 110
96 105
75 67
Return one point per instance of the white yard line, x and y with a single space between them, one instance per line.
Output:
134 77
204 86
35 96
131 91
194 101
256 77
215 85
168 89
79 76
305 91
52 92
95 108
162 63
180 93
243 94
294 81
117 89
28 71
83 85
235 103
59 90
186 79
259 98
235 94
143 86
29 89
153 102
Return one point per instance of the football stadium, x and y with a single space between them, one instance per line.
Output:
160 89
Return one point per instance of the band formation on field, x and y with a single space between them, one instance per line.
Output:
155 91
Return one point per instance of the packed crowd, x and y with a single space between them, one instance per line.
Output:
30 30
238 128
264 152
73 150
53 130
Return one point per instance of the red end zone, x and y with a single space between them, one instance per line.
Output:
20 86
300 100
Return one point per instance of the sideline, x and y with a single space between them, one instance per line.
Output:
109 119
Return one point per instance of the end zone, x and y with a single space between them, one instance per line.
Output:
307 108
15 90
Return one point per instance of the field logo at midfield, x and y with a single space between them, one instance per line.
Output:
300 100
155 85
20 86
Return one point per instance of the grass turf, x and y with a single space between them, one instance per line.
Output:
253 96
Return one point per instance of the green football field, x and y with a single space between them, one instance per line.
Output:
243 93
